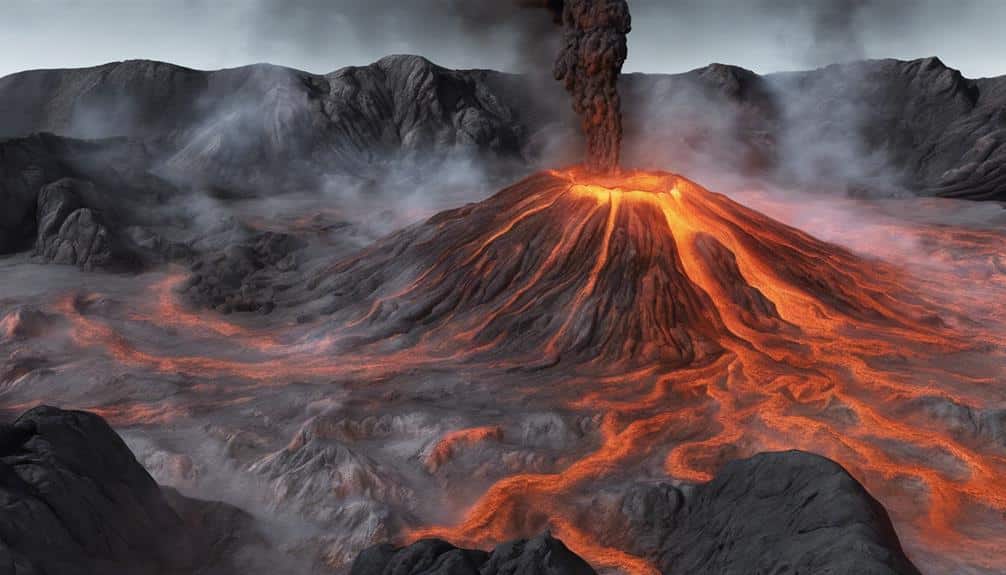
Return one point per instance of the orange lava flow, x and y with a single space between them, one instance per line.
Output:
696 329
170 313
809 376
451 442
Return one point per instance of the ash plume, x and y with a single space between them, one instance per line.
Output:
593 50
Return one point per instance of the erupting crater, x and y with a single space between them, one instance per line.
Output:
616 270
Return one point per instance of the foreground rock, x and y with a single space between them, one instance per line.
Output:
69 233
542 555
245 274
789 512
74 500
74 202
874 125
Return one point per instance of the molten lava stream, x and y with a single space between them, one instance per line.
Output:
696 329
170 313
791 378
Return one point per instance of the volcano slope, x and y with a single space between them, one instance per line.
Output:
611 272
647 291
529 361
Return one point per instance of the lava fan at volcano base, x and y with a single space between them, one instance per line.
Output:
675 327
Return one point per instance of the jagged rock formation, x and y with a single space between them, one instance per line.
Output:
304 476
69 233
74 201
542 555
879 124
773 513
75 501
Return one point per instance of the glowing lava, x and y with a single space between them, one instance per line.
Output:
695 329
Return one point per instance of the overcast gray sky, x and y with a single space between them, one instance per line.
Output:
323 35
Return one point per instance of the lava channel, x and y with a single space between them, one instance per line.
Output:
695 329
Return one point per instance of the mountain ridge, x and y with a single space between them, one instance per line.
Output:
874 124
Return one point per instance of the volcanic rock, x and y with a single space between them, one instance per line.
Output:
82 241
773 513
69 233
243 275
72 200
56 201
76 501
542 555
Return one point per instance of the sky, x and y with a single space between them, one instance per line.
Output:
324 35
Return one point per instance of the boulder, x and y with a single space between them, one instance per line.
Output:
74 501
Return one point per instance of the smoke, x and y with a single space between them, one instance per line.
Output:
507 33
668 36
589 63
834 31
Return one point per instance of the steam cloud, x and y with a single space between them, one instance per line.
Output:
589 63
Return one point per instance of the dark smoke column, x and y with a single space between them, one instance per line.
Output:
589 63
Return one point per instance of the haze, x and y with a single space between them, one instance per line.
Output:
321 36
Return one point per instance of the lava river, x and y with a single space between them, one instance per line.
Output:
690 329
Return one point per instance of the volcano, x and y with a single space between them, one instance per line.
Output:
616 270
524 361
701 329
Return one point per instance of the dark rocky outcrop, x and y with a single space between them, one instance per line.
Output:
788 512
69 233
74 500
542 555
244 275
72 200
56 201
